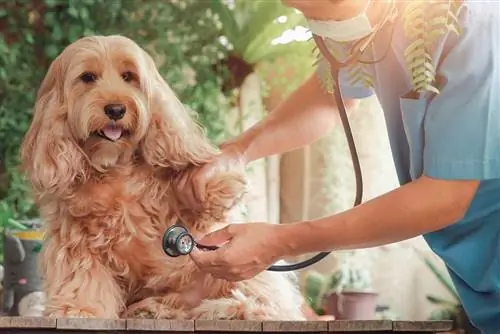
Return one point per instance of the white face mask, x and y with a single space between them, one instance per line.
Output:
343 31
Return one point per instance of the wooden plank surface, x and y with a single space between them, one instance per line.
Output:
360 326
27 322
422 326
51 325
91 324
295 326
227 326
160 325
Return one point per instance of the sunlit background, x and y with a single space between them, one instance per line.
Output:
231 63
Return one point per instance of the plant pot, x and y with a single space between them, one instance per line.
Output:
23 285
351 305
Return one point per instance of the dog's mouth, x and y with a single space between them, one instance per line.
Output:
112 132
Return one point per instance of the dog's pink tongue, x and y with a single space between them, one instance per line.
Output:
112 132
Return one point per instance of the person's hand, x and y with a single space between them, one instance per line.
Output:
191 187
245 250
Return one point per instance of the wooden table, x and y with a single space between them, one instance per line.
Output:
19 325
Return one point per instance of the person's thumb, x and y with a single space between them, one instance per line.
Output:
218 237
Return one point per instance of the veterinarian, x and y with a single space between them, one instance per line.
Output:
445 143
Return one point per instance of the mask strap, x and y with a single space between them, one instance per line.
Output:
389 16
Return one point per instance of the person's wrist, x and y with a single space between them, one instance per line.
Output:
237 149
290 236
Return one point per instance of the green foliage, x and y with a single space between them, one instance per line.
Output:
181 35
447 309
425 23
315 287
252 28
442 277
348 277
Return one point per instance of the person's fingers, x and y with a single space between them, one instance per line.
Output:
206 260
226 277
218 237
233 275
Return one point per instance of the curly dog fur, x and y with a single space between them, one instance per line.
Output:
107 143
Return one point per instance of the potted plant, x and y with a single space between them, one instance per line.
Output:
22 293
448 308
346 293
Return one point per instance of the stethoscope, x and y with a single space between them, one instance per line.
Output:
177 241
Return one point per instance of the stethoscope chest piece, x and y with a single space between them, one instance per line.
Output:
177 241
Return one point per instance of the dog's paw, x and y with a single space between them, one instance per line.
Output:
153 308
223 194
71 313
140 313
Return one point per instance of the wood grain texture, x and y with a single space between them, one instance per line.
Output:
20 325
91 324
360 326
422 326
160 325
227 326
295 326
27 322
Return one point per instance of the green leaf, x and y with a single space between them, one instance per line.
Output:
73 12
277 51
440 276
314 284
84 13
14 224
263 14
262 43
443 314
51 3
52 51
440 301
229 24
37 248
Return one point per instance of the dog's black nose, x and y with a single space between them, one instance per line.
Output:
115 111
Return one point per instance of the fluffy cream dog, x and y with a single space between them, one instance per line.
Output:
107 142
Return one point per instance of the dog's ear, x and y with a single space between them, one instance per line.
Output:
50 157
174 139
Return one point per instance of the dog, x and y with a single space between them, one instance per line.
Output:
108 141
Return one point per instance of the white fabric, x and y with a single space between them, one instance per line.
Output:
343 31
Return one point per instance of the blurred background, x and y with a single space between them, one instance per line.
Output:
231 62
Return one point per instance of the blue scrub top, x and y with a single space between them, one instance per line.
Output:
451 135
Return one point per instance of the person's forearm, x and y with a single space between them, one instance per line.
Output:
304 117
419 207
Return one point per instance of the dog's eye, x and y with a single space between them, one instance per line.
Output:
88 77
128 76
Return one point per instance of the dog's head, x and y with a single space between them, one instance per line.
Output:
102 103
